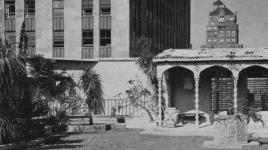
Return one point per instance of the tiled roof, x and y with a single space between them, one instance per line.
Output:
216 12
222 54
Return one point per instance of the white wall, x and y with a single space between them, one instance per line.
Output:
116 74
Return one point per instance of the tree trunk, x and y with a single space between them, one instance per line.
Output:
89 115
147 111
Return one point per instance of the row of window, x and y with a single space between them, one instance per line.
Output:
87 23
222 33
58 24
87 7
87 28
222 40
221 20
29 7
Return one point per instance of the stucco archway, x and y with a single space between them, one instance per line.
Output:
253 88
211 89
180 88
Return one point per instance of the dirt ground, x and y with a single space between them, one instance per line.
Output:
124 139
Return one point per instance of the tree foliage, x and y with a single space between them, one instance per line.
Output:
92 86
145 60
137 95
12 93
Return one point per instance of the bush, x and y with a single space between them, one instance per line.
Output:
120 119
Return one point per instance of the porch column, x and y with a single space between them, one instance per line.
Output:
197 102
235 95
160 101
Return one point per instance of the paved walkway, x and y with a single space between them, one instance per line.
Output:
189 129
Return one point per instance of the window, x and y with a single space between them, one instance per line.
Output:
29 7
58 28
30 39
58 39
221 93
233 33
221 27
233 40
221 33
58 8
87 7
10 24
221 19
222 40
105 37
87 37
30 31
228 40
105 11
105 7
10 8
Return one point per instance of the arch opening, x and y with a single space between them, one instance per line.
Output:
216 91
180 88
253 88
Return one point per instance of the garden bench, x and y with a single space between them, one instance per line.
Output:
187 117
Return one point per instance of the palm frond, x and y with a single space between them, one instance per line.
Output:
92 85
11 67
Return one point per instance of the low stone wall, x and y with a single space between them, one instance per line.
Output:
231 130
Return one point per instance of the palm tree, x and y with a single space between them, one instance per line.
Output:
145 60
92 86
42 79
12 71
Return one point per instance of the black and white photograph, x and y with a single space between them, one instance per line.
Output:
133 75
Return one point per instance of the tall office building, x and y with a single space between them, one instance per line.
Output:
86 29
222 29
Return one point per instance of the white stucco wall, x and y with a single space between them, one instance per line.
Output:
115 76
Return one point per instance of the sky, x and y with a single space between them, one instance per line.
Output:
252 19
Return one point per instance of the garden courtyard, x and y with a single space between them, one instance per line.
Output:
127 139
124 139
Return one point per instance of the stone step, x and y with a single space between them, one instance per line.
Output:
211 145
88 128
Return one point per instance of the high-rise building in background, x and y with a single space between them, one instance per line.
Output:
87 29
222 29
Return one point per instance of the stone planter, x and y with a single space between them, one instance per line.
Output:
171 117
230 130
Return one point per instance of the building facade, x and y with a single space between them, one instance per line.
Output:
165 23
222 29
212 82
88 29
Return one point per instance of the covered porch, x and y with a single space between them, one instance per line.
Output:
205 83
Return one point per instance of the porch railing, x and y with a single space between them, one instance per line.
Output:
118 107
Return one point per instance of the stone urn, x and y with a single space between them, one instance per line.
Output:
171 117
230 130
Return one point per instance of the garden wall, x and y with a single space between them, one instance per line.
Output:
115 74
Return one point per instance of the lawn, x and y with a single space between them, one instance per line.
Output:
124 139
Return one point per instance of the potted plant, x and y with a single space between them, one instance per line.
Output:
92 86
120 119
